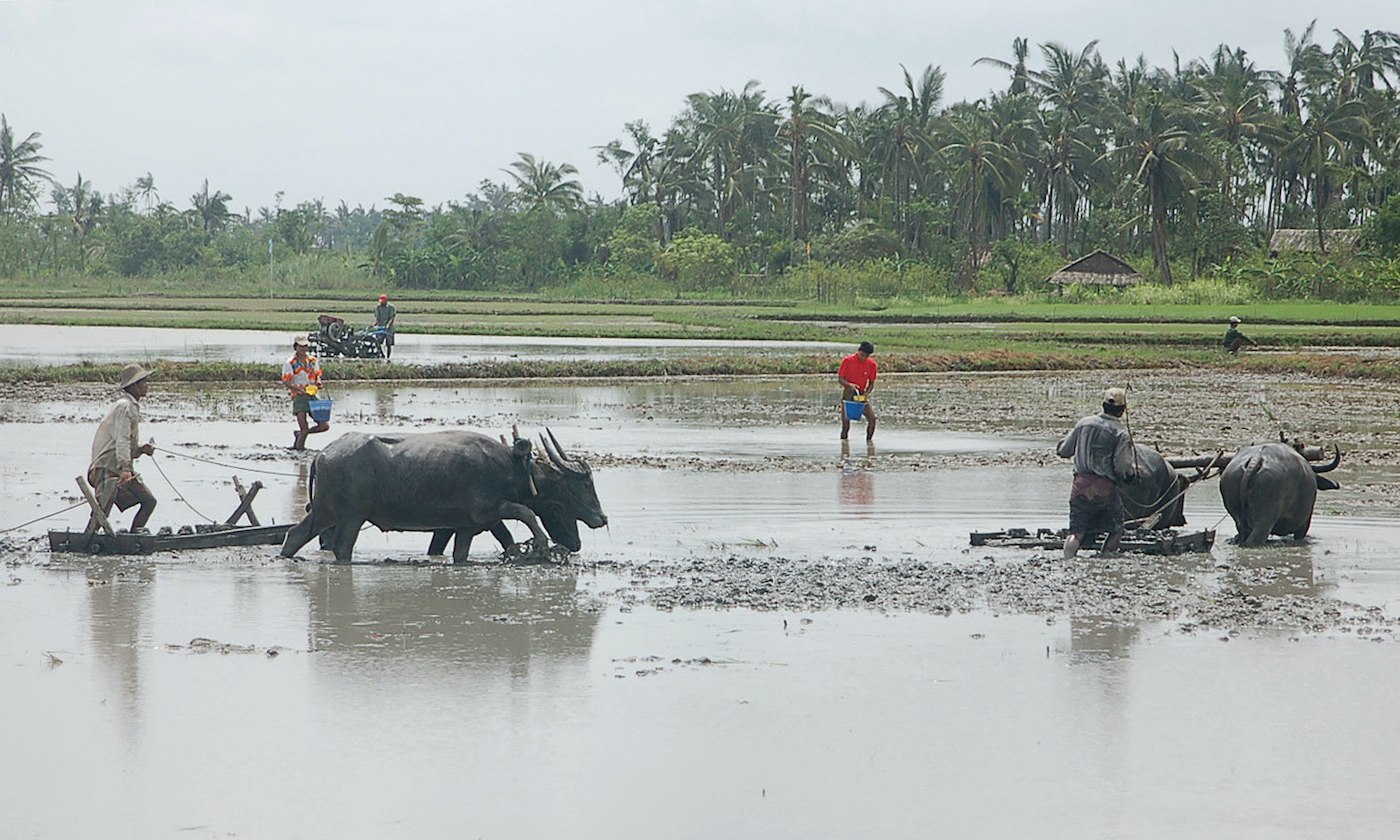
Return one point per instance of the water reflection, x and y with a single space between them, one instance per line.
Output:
1273 571
300 494
384 403
475 619
856 488
118 601
1095 638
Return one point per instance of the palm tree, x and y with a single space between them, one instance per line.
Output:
900 140
82 206
1020 78
19 169
652 171
146 188
732 136
1231 97
986 173
540 185
1071 84
1072 89
1331 136
1360 65
1165 156
634 165
812 142
211 209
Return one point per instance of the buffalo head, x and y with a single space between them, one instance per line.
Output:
565 495
1323 482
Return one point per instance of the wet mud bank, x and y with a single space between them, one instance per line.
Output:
1185 594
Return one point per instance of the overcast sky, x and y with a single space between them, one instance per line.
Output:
353 100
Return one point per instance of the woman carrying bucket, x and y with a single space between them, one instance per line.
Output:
857 377
302 376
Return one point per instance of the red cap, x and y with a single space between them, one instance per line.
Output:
383 298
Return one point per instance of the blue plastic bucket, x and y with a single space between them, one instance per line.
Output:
321 411
854 410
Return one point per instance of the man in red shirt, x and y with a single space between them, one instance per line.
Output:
857 377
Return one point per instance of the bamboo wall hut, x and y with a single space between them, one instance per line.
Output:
1097 269
1304 240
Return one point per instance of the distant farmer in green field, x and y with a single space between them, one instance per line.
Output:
1234 339
384 315
857 377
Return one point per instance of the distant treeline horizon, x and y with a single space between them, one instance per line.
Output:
1187 169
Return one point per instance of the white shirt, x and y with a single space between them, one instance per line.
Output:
116 444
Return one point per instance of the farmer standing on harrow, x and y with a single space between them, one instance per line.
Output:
301 374
1103 457
114 448
857 377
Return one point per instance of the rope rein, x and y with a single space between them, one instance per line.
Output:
178 494
227 466
42 518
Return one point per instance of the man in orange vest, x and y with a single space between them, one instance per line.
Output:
301 374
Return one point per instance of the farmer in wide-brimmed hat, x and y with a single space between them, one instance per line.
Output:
115 447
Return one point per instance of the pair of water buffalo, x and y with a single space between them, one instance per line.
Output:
1267 488
453 483
457 483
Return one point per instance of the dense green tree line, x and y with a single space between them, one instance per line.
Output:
1189 167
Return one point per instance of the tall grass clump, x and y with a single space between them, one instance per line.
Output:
1203 291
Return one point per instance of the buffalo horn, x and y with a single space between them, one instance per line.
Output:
1336 459
556 456
573 465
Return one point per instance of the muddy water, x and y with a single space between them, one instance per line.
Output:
31 344
388 700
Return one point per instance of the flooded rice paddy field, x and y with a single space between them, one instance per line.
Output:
37 344
775 636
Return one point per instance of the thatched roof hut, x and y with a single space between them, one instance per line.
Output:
1304 240
1097 269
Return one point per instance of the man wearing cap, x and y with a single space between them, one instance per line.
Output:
301 374
857 377
115 447
1234 339
384 317
1103 457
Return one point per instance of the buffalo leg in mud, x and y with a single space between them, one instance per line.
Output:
521 513
301 534
346 533
442 536
438 544
1255 534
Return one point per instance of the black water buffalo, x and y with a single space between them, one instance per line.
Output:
1158 495
454 480
1270 488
